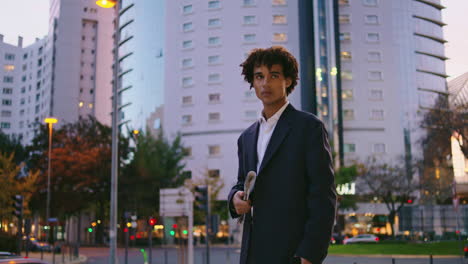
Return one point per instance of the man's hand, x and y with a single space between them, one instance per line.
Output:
241 206
305 261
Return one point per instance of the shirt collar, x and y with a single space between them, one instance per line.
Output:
274 118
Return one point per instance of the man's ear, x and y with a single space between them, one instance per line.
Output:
288 82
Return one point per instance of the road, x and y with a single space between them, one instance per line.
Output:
231 256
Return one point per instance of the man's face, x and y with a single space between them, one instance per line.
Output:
270 84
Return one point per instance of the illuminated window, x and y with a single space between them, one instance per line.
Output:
347 75
347 94
279 19
250 20
349 148
378 148
280 37
346 55
80 104
214 40
214 150
372 19
377 114
375 75
188 9
186 100
249 38
343 2
373 37
186 119
214 22
90 105
187 81
214 4
278 2
348 114
214 116
214 59
376 95
9 68
187 44
344 19
374 56
188 26
215 77
345 36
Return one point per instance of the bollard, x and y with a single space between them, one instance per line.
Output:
42 254
63 254
165 256
53 255
393 260
228 256
430 259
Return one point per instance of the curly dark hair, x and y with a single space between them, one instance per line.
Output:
268 57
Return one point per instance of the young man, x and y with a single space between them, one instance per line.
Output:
290 213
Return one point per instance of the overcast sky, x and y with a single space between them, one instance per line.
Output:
29 18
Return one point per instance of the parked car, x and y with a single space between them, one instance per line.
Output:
21 260
465 249
6 254
365 238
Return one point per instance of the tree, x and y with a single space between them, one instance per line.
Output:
12 144
156 163
346 176
390 183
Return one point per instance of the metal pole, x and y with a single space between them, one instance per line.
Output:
208 225
48 183
150 243
126 246
115 144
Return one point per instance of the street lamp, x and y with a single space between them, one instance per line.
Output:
115 133
50 121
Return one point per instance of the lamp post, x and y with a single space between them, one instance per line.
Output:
50 121
115 131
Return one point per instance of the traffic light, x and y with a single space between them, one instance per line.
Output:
201 196
90 230
152 221
18 205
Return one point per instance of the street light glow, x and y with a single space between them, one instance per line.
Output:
106 3
50 120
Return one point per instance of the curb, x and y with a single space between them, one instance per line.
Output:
396 256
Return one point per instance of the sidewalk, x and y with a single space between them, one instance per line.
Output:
59 258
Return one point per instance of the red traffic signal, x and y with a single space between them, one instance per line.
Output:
132 237
152 221
174 226
125 229
409 201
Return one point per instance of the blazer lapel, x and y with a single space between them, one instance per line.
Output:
280 132
250 147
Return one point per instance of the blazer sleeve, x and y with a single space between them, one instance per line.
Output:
321 196
240 179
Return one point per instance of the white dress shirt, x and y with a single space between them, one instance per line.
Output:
266 130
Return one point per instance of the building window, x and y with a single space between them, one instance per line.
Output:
187 174
8 67
279 19
214 116
39 73
214 22
250 20
345 36
371 19
369 2
280 37
39 62
377 114
346 56
347 94
375 75
38 85
214 4
349 148
6 113
374 56
215 77
9 56
347 75
344 19
343 2
38 96
188 26
25 56
188 9
348 114
36 109
21 112
6 102
373 37
214 150
23 90
188 151
249 2
214 40
278 2
214 59
249 94
214 98
251 114
187 44
7 90
5 125
249 37
376 95
378 148
187 81
213 173
7 79
187 63
186 119
25 67
186 100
